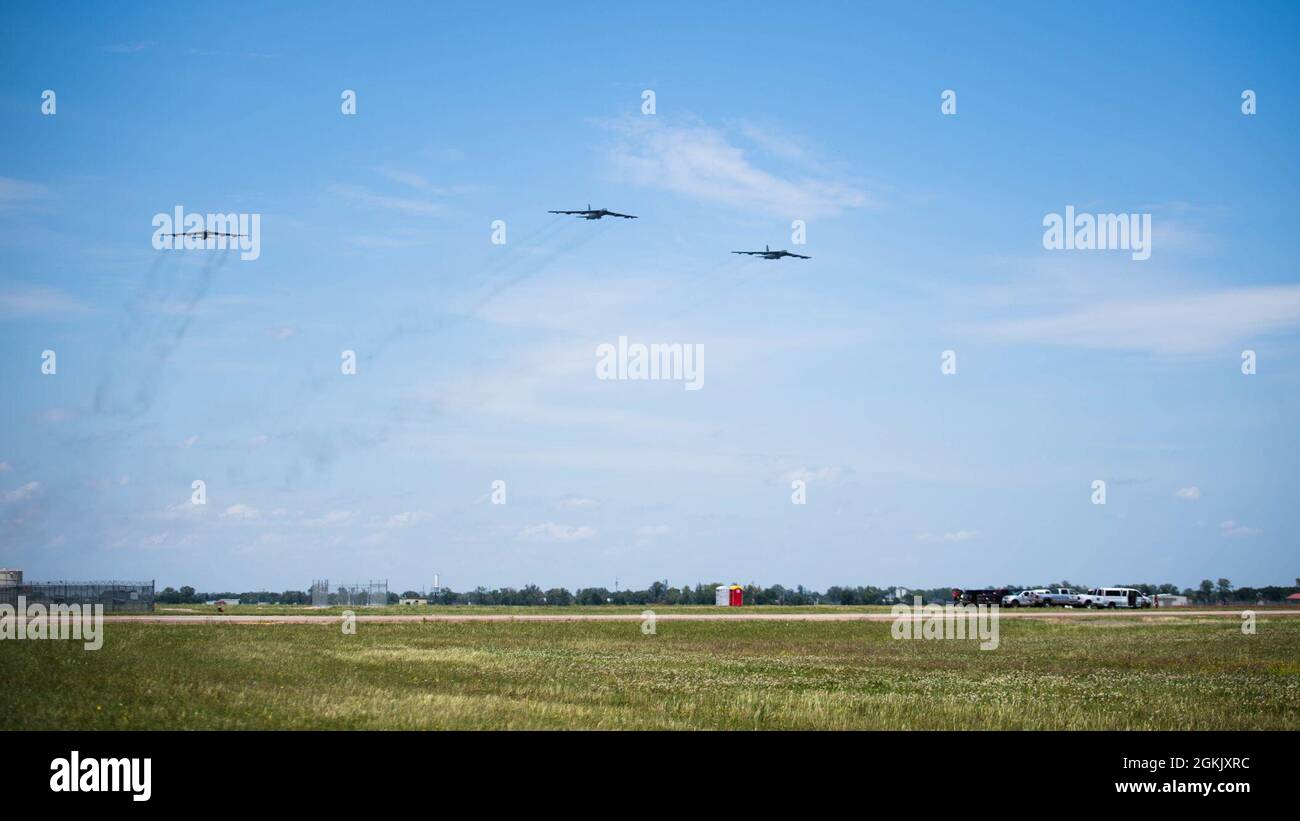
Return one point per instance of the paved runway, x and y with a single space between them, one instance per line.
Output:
1054 613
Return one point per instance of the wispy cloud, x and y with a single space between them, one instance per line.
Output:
240 512
129 48
408 518
647 534
421 183
1169 325
1190 493
552 532
952 536
333 518
17 192
829 475
363 196
27 491
1232 527
703 163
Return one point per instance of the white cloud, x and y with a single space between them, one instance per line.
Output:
649 533
408 518
30 301
1232 528
27 491
363 196
1177 324
14 192
180 510
129 48
55 415
952 536
829 475
240 513
551 532
420 183
333 518
1190 493
190 441
700 162
577 502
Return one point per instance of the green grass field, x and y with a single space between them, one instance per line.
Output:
1085 673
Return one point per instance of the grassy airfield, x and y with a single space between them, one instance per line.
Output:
1089 672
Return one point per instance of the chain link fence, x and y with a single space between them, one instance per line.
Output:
368 594
116 596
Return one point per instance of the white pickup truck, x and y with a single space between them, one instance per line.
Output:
1057 597
1042 597
1024 598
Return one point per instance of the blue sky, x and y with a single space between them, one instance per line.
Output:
476 361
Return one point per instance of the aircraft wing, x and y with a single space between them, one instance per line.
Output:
616 214
568 212
800 256
747 252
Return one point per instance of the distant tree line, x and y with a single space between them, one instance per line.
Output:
660 592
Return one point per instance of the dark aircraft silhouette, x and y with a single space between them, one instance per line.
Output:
768 253
594 215
204 234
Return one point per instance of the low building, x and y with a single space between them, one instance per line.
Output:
1170 600
412 602
10 577
1294 598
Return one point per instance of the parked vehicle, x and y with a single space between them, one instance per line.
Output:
1112 597
988 595
1025 598
1057 597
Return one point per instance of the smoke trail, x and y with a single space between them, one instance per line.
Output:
156 322
730 281
534 266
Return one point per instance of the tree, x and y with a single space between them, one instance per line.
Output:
1206 592
1225 589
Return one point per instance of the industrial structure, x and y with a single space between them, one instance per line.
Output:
369 594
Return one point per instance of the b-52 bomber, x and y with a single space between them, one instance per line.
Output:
589 214
768 253
204 234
